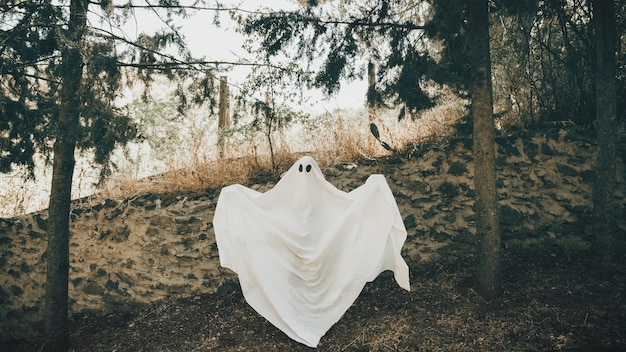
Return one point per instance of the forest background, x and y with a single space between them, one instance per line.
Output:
431 66
529 89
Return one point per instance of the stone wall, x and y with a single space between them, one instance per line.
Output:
142 249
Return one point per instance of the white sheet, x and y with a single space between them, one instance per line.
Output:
304 250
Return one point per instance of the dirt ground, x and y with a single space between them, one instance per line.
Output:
551 302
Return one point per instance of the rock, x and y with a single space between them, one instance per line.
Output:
417 186
5 240
201 208
576 160
110 203
510 216
36 235
448 190
16 291
120 233
440 236
185 225
117 211
457 169
507 147
531 148
547 150
170 200
41 222
161 221
15 274
93 289
152 231
429 213
410 222
112 285
567 170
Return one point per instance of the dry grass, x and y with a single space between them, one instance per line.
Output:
15 195
196 177
331 139
192 166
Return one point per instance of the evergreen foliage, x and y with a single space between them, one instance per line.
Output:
541 52
32 37
60 76
340 36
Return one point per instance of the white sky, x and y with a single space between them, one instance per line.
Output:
225 44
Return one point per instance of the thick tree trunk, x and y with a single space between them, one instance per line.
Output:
56 336
487 218
57 274
606 106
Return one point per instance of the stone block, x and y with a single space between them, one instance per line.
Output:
510 216
567 170
410 222
457 169
92 288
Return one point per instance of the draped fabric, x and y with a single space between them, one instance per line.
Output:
304 250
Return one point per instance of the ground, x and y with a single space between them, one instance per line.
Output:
550 302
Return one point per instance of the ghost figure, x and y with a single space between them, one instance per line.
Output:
304 250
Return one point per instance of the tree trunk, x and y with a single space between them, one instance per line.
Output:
372 141
606 111
56 336
486 207
223 114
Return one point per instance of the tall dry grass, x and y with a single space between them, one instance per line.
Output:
14 196
332 138
192 163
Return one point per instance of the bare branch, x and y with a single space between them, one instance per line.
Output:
355 23
109 35
182 7
189 65
175 63
30 63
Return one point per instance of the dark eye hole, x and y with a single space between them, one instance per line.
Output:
300 168
308 168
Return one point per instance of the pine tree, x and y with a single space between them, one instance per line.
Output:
59 78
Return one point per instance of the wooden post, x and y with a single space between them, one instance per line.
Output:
269 120
224 113
371 104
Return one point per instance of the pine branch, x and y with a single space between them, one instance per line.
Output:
293 16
